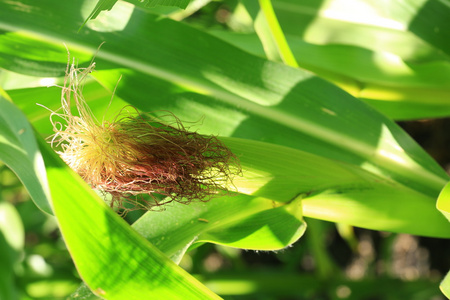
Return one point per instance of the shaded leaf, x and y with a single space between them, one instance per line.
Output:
18 150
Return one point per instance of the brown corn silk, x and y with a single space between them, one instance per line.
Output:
136 154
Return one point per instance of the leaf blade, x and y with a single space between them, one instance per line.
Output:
20 153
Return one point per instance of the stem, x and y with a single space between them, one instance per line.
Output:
277 34
316 234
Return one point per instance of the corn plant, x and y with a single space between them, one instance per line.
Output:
303 93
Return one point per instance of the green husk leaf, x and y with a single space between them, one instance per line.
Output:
112 259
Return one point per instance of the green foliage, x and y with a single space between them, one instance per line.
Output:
307 147
107 5
445 285
101 240
443 203
35 263
393 55
20 153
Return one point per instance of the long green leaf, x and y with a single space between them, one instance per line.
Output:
277 33
399 50
401 90
337 192
393 54
18 150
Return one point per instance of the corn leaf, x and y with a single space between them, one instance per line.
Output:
18 150
393 55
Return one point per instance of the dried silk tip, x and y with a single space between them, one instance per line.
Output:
136 154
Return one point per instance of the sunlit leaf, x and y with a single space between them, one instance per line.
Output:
443 202
393 54
239 221
445 285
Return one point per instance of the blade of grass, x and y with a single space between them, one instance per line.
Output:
277 33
